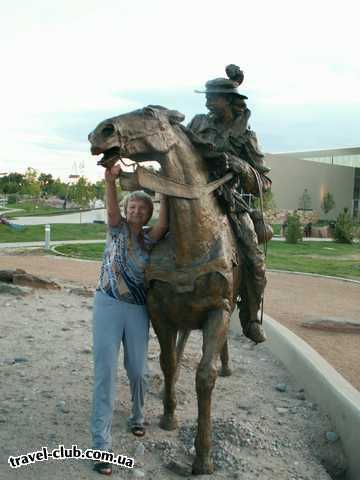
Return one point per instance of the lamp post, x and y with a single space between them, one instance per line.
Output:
47 237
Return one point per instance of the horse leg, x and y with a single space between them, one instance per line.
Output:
214 335
167 340
225 370
180 346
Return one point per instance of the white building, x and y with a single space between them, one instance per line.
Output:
319 171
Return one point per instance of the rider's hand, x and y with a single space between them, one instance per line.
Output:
111 174
234 164
225 161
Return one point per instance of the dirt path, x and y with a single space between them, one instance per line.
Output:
293 299
290 299
57 268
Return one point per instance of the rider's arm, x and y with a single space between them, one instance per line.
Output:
252 181
162 225
112 204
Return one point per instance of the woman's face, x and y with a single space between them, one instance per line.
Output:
137 212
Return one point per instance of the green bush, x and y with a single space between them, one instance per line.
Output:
357 232
344 228
328 203
276 228
294 230
13 198
268 201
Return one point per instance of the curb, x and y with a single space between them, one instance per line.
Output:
323 383
70 257
53 249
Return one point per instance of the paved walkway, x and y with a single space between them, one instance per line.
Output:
293 299
42 243
87 216
305 239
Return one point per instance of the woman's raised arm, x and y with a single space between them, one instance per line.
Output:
162 224
112 204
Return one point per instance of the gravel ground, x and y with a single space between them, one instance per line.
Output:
289 299
264 426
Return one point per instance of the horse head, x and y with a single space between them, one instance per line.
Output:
142 135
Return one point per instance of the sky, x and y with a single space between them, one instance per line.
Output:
70 64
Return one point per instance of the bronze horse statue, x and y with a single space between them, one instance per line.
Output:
194 273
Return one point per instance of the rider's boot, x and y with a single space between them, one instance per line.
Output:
253 281
251 295
250 322
255 332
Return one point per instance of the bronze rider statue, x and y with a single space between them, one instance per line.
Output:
228 143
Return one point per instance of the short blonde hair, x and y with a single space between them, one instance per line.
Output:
142 196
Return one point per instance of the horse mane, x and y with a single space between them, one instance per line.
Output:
204 148
175 118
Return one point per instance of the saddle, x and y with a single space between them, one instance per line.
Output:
162 267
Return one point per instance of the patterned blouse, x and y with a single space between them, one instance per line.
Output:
124 262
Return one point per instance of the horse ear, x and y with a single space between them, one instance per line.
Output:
175 117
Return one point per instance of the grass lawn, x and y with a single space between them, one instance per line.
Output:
325 258
28 209
87 252
59 231
276 228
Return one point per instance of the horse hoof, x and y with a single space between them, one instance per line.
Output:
168 422
225 372
202 467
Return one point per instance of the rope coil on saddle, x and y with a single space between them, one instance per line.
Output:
258 181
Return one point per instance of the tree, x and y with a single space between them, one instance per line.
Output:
59 189
31 184
328 203
82 192
294 231
100 189
45 180
305 200
11 183
344 228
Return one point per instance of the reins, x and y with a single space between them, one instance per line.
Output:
167 186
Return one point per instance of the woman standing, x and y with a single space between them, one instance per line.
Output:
119 309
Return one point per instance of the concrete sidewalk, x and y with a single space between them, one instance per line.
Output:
80 216
305 239
42 243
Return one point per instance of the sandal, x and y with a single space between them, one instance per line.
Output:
138 430
104 468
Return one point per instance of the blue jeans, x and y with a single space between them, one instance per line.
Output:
115 322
